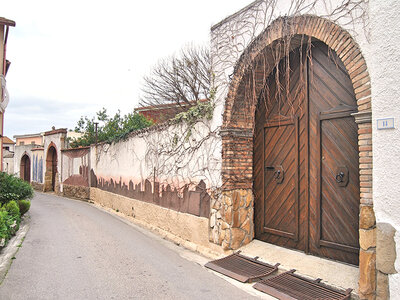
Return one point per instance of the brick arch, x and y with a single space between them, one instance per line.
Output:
238 124
238 117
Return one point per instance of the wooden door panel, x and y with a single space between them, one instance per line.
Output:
280 125
333 147
330 74
339 204
281 203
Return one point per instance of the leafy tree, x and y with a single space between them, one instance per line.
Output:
109 129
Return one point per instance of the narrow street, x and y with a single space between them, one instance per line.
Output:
75 251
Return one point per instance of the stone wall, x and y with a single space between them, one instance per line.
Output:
37 186
76 191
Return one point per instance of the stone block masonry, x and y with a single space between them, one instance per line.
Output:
231 219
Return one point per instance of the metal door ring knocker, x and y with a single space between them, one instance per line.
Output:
342 176
279 174
339 177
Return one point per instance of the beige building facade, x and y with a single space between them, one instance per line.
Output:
4 98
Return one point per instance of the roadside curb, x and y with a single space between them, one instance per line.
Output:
14 244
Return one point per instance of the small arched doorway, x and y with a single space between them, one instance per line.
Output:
51 168
25 168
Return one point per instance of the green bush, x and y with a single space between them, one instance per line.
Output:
13 188
4 229
13 209
13 192
7 230
24 206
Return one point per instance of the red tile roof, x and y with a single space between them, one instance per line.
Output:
7 140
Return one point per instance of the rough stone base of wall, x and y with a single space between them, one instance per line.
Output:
37 186
57 186
231 221
47 182
385 259
187 227
75 191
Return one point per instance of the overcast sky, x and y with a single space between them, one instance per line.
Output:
72 57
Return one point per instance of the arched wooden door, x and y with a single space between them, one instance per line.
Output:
51 165
25 168
306 177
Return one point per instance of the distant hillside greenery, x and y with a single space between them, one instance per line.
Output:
110 129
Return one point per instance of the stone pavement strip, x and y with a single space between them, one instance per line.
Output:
74 250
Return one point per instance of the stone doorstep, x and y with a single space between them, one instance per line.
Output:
336 274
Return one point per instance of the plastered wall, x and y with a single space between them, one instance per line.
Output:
173 166
175 157
385 85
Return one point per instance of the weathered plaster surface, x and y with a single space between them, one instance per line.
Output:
166 156
385 87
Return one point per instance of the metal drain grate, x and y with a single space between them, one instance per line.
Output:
288 286
242 268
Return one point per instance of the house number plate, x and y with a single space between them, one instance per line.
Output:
387 123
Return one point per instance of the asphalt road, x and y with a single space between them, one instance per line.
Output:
74 250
